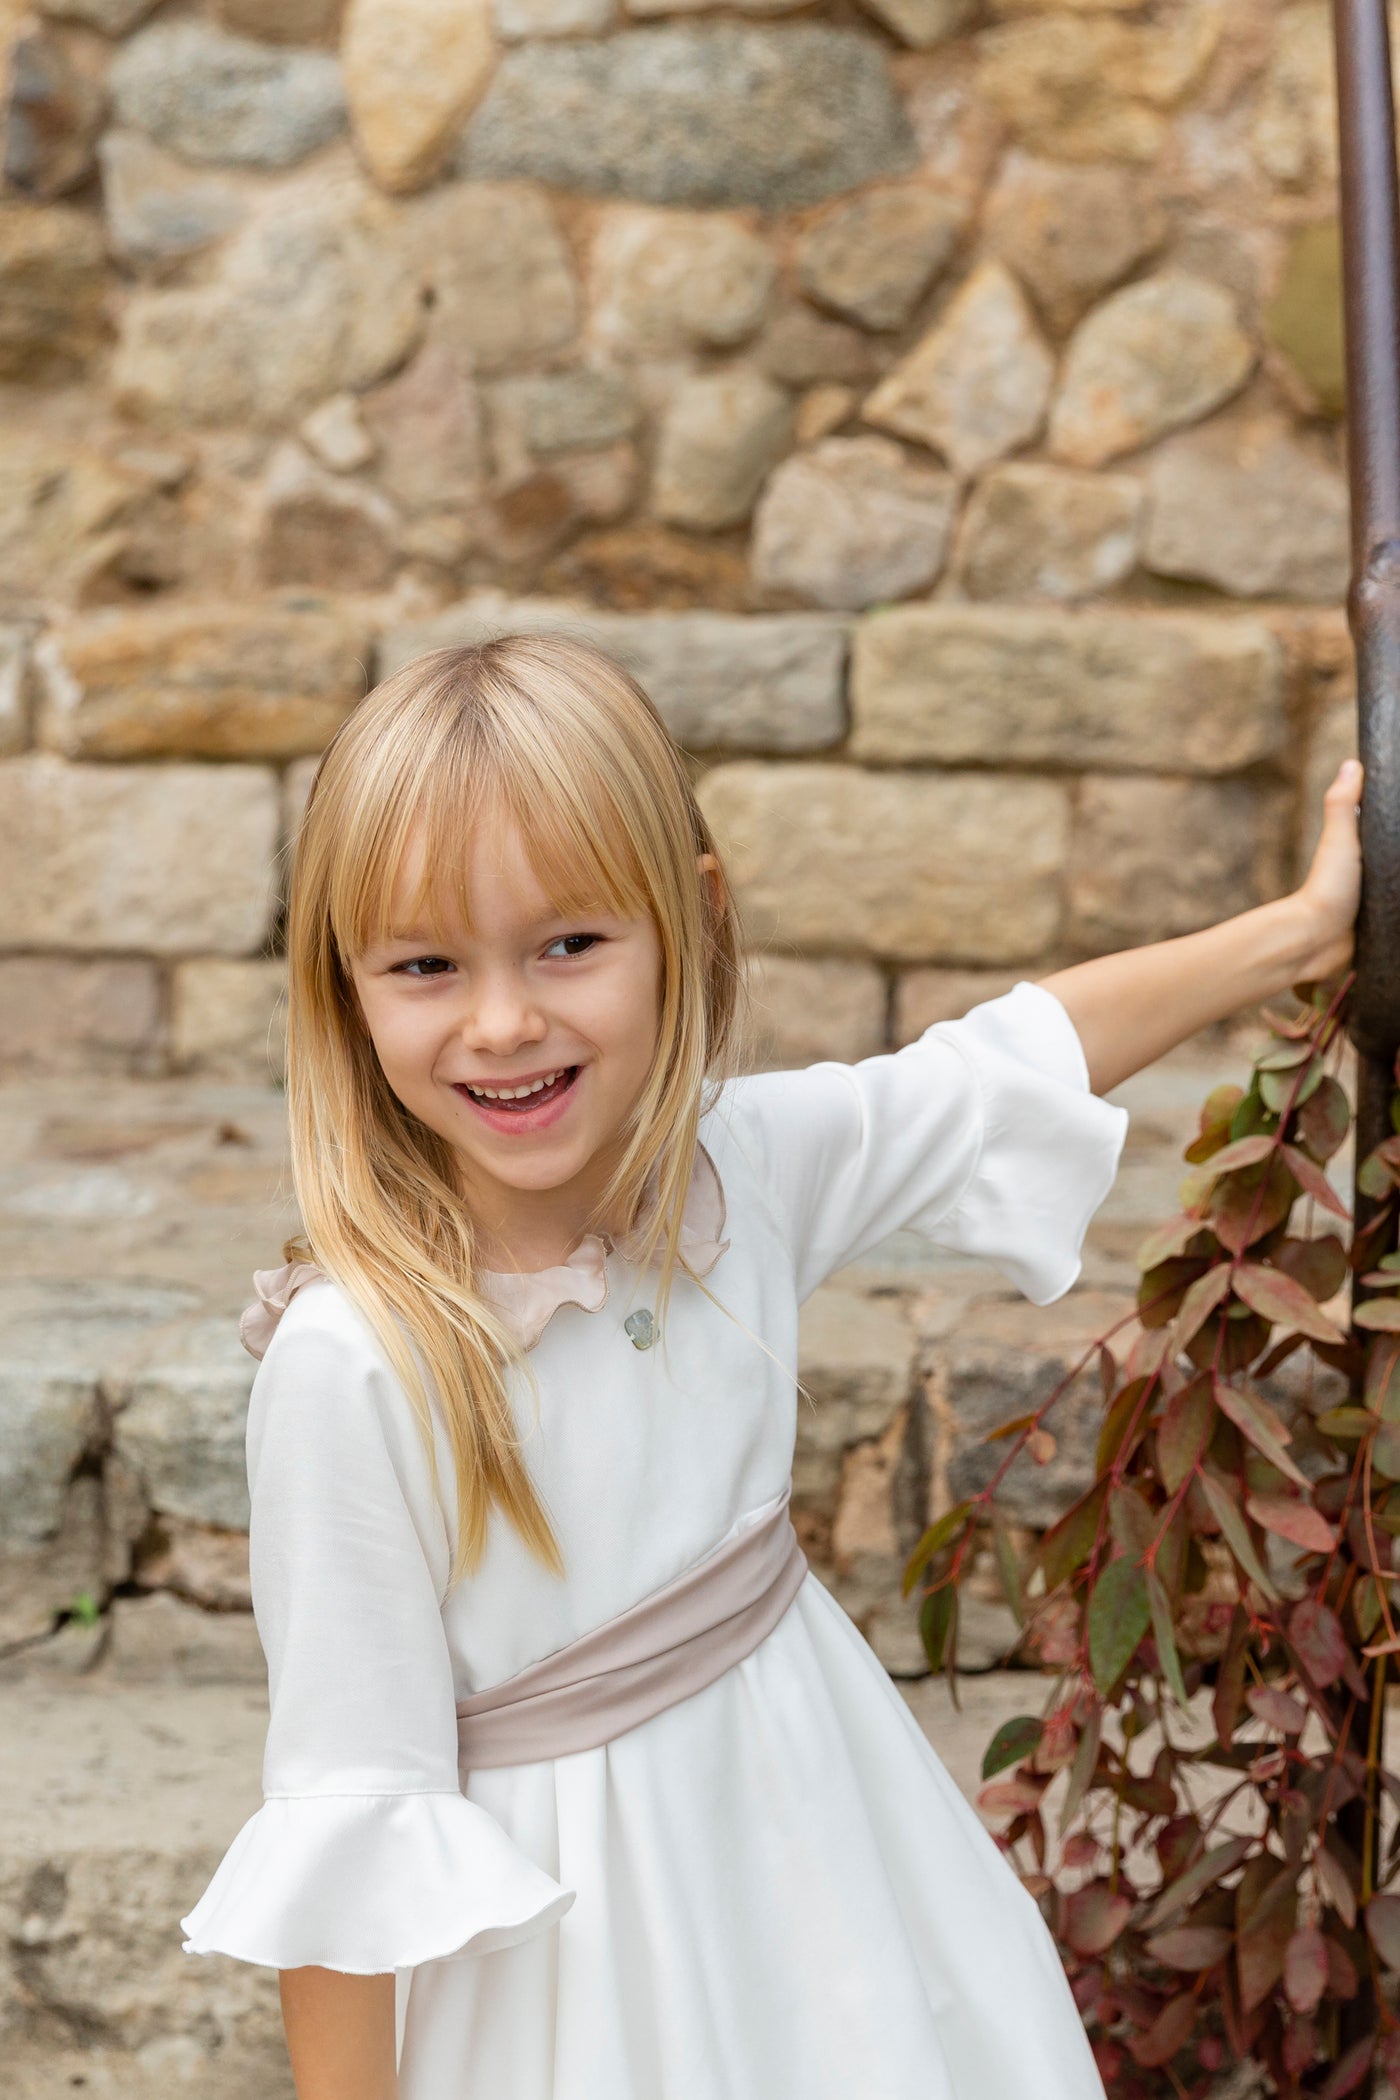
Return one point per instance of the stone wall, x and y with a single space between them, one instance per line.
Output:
935 400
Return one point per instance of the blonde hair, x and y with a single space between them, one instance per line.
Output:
551 734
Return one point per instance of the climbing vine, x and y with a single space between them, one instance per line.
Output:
1222 1592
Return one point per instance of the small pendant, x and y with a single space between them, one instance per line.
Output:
640 1328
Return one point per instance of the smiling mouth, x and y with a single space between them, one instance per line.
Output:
541 1093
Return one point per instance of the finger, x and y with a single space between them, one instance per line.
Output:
1344 794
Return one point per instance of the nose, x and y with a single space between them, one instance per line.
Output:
503 1016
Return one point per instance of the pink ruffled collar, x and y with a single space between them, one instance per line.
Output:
528 1300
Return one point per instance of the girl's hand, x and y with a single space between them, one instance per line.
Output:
1331 890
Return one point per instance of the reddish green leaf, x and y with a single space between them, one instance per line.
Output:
1345 1422
1292 1519
1325 1119
1168 1240
1385 1451
1320 1264
1305 1969
1093 1917
1338 1886
1232 1524
939 1534
1276 1708
1351 2070
1317 1638
1184 1431
1379 1315
1165 1637
1169 2033
1263 1942
1081 1771
1008 1566
1190 1946
1217 1114
1382 1390
1200 1302
1207 1870
1285 1057
1014 1740
1244 1152
1130 1519
1282 1091
1119 1615
1069 1542
1280 1298
1382 1917
937 1617
1247 1206
1313 1182
1127 1404
1254 1418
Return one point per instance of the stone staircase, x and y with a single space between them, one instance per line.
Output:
132 1695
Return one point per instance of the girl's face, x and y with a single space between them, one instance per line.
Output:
555 1017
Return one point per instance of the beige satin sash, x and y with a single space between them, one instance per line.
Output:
670 1644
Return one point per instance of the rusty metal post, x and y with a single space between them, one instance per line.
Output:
1370 215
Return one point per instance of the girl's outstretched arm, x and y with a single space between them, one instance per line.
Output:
1130 1008
340 2034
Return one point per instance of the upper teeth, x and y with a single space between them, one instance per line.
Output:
514 1093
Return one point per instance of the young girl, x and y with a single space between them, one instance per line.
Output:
579 1785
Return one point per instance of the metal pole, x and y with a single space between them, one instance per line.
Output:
1370 216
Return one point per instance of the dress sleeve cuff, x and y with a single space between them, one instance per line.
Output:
366 1883
1050 1148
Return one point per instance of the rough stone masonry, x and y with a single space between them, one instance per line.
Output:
935 401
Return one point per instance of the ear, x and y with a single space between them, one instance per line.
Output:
712 874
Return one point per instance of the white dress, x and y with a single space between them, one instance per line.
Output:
772 1890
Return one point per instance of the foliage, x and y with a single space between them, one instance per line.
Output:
1236 1542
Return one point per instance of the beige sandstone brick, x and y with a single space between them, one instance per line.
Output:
1184 692
228 1018
165 860
202 681
801 1010
1152 858
923 997
908 867
59 1015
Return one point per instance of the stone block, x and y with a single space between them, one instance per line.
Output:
320 529
1250 509
924 997
1156 858
669 281
577 410
425 424
1033 531
959 685
156 205
53 285
924 23
499 271
801 1010
14 689
414 71
1070 233
1294 136
518 20
199 1562
644 567
228 1019
113 17
1304 318
822 410
61 1016
910 867
874 1529
159 859
161 1640
976 387
319 295
856 1360
769 683
801 348
180 1423
1004 1358
721 434
53 106
203 681
873 259
1085 87
282 21
852 523
336 436
1160 353
210 95
722 114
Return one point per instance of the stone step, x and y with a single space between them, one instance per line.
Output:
129 1757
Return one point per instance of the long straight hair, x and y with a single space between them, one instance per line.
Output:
551 735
